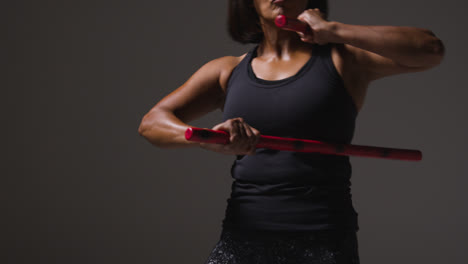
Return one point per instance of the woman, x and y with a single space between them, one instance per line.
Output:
288 207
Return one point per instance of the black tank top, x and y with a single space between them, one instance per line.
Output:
283 190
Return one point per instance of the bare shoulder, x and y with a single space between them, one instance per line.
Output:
213 75
226 65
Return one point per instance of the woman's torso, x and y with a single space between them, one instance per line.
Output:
282 190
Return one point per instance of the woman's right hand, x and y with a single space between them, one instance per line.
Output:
242 140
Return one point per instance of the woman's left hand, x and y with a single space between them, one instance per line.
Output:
321 30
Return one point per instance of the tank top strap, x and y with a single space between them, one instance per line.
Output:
241 67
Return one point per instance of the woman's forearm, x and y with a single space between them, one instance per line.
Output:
163 129
408 46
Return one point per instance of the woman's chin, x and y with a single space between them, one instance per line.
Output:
287 12
281 11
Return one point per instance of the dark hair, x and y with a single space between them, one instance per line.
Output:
244 23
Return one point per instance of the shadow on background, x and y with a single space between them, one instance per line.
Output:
80 185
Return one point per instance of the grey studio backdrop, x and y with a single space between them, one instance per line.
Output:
80 185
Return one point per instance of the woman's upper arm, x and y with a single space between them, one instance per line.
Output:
373 66
358 67
203 92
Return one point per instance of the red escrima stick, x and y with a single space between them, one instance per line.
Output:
291 24
306 145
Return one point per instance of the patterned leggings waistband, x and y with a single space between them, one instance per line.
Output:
259 247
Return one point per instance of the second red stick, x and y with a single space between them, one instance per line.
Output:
291 24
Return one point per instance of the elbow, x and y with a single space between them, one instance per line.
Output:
144 132
438 48
148 131
437 51
154 133
142 129
426 52
151 135
144 126
434 49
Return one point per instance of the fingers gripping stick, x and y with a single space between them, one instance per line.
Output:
291 24
306 145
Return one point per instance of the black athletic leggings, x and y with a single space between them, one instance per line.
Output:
324 247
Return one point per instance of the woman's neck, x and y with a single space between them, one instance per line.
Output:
280 44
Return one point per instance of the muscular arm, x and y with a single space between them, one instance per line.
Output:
377 51
164 125
363 54
388 50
